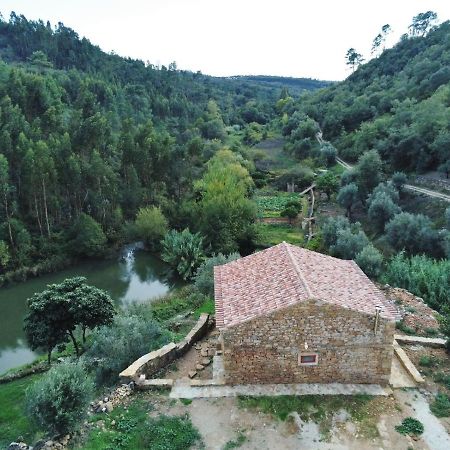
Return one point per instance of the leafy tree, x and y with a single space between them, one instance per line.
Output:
331 227
370 260
90 306
226 213
380 38
54 314
347 197
327 183
349 243
151 226
381 210
86 237
300 176
328 153
4 254
183 251
204 276
413 233
291 210
399 180
388 189
422 23
368 172
59 401
348 176
128 338
353 58
445 168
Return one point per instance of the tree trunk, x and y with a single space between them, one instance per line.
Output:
9 223
37 214
84 335
75 344
45 207
49 357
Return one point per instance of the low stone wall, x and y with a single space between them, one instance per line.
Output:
152 362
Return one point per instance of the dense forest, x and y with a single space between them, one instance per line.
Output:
398 103
87 138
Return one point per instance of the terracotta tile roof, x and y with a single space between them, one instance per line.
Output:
284 275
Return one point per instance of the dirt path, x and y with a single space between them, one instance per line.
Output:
410 187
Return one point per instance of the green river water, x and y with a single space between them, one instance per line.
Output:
138 276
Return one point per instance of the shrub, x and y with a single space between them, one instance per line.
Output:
414 234
86 237
347 197
428 361
422 276
410 426
204 277
441 406
151 226
328 153
59 401
381 210
399 180
117 346
370 260
183 251
331 227
174 433
349 243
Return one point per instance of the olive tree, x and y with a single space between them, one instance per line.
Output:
381 210
370 260
347 197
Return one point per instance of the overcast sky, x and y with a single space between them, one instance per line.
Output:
229 37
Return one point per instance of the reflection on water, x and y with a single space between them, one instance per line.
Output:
136 276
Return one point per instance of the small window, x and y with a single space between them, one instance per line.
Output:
308 359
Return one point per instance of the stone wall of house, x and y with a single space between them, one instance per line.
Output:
266 349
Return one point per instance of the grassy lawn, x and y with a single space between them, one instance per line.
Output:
319 409
131 428
272 234
13 422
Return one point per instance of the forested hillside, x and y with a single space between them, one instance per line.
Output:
398 104
87 138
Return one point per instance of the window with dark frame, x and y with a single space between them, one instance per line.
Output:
308 359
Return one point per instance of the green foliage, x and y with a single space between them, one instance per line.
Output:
349 243
443 378
348 196
180 302
370 260
414 234
328 183
396 104
315 408
272 205
236 443
151 226
423 276
86 237
399 179
115 347
331 227
368 172
164 432
441 405
301 176
204 277
4 254
13 422
328 153
410 426
381 210
273 233
183 251
58 402
226 213
55 313
428 361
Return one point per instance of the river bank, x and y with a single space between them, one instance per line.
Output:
134 275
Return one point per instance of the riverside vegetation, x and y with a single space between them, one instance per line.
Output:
98 150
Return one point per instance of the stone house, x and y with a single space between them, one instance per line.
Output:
291 315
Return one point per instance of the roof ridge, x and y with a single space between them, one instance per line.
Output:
297 269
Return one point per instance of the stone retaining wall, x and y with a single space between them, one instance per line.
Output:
152 362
